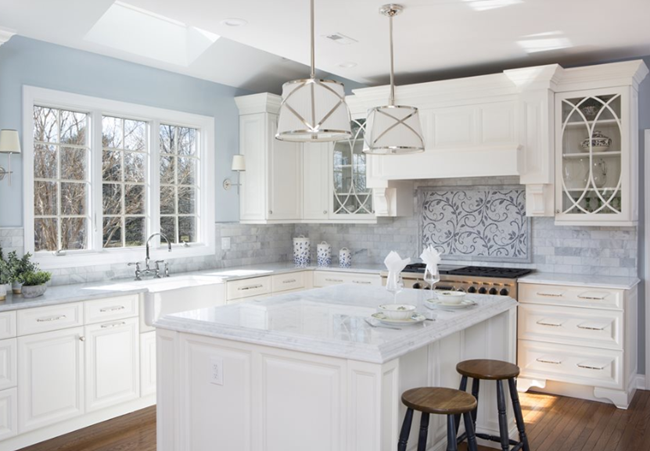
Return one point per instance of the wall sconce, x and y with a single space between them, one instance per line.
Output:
9 143
238 165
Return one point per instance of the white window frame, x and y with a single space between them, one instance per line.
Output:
98 107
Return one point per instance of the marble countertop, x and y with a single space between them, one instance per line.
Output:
331 321
62 294
594 281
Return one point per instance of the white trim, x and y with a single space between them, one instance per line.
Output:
96 107
646 276
639 382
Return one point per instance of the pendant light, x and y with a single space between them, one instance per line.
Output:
313 110
393 129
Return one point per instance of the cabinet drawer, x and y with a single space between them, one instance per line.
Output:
573 364
7 325
286 282
571 296
111 308
327 278
239 289
570 325
45 319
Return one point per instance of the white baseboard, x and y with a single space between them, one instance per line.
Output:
639 382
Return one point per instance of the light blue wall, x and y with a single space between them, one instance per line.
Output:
26 61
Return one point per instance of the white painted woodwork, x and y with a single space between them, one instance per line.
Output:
583 336
112 363
148 363
50 377
8 363
327 278
246 288
288 282
8 413
278 400
7 325
316 159
272 183
44 319
111 309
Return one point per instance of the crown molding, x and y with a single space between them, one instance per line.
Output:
259 103
5 35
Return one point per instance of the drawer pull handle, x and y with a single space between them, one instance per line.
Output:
250 287
112 309
551 295
591 367
548 323
334 280
592 298
554 362
107 326
289 281
362 282
50 318
580 326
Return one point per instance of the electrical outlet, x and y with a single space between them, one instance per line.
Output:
225 243
215 370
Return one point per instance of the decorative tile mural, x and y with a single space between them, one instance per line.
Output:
470 222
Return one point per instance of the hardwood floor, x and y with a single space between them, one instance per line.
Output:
553 423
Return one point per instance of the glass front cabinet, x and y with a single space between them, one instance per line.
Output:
596 157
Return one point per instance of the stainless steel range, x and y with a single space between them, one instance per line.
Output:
470 279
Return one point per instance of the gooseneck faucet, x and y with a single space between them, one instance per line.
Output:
147 270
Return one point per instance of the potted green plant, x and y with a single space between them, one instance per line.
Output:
35 283
18 267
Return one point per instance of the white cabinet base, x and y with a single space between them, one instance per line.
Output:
620 398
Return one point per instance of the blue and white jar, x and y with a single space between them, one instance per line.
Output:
324 254
301 248
345 258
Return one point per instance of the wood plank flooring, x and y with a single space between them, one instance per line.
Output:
553 423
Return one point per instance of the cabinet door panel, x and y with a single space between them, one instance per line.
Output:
252 144
285 170
316 180
8 363
8 413
113 359
148 363
50 378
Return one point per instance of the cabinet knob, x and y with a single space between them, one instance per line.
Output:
324 212
82 338
270 212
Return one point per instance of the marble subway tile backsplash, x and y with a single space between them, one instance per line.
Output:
11 239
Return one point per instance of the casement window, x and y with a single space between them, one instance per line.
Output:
101 176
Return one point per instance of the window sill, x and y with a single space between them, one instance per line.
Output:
74 259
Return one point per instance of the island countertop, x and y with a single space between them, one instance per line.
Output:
331 321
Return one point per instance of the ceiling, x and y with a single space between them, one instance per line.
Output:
434 39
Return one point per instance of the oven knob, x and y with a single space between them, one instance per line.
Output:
471 290
493 291
416 286
504 292
482 290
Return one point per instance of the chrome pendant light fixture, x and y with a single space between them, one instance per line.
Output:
313 110
393 129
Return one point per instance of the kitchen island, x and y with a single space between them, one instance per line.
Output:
305 371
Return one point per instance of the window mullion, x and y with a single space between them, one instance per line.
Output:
153 186
96 155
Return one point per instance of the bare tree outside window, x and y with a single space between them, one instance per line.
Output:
179 191
124 158
61 179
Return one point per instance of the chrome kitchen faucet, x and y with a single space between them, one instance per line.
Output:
147 271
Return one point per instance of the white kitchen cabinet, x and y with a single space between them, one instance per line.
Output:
8 363
272 183
317 160
112 363
50 378
327 278
578 336
148 363
8 413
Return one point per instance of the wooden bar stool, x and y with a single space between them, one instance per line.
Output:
441 401
496 370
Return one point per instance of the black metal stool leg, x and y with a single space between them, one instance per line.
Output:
519 418
451 434
503 420
424 431
476 383
406 430
469 430
463 387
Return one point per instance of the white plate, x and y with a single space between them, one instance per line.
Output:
445 305
415 319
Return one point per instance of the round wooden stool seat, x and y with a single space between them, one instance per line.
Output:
493 370
438 400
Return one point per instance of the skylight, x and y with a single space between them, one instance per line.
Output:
138 31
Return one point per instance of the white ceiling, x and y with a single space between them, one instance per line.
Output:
433 38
